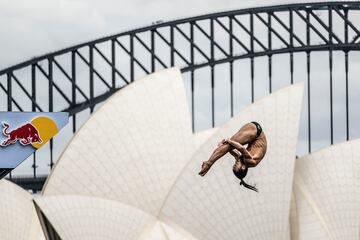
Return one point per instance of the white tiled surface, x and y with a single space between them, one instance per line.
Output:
133 148
91 218
201 137
305 223
18 218
163 231
155 233
216 207
174 232
327 193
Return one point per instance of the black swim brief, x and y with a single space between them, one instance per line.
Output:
258 129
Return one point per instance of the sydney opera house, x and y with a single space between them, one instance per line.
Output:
139 102
131 173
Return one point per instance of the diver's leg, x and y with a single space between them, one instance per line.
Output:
218 153
246 134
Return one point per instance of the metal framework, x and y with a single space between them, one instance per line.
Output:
80 77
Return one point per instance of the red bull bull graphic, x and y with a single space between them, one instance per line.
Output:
25 132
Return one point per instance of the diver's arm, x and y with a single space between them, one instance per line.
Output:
236 154
239 147
248 158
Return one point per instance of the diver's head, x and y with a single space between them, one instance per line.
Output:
240 173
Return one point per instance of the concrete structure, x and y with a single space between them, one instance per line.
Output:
77 217
138 152
327 194
18 218
133 148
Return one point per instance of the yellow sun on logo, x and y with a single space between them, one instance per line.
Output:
46 127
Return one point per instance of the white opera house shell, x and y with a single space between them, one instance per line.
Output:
131 172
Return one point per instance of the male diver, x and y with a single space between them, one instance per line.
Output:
252 135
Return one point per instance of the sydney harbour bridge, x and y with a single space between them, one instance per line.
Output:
228 51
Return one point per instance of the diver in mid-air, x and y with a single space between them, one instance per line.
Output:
252 135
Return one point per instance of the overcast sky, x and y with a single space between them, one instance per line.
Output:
35 27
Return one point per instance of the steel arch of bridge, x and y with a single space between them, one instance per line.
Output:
176 43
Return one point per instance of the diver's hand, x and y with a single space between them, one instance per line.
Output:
222 142
227 140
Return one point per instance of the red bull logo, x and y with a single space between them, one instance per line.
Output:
25 134
22 133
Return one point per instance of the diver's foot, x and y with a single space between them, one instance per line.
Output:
204 168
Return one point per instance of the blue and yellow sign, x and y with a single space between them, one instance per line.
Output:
25 132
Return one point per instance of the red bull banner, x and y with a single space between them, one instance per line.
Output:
25 132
